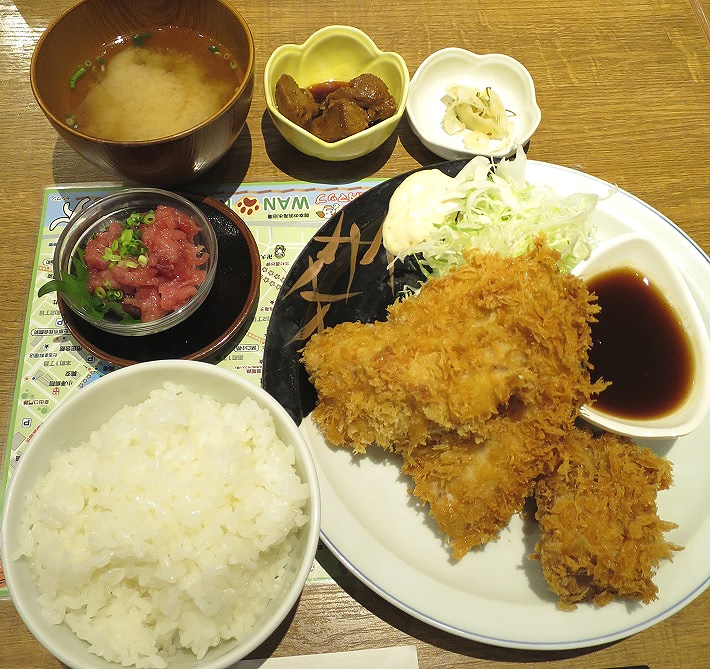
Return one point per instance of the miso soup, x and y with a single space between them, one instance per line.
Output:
151 85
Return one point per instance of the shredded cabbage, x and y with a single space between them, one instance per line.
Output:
496 209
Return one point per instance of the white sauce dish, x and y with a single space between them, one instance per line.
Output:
651 265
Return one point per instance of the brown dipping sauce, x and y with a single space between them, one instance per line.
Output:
640 345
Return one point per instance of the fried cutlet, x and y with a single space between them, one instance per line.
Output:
450 358
601 537
476 382
472 381
473 489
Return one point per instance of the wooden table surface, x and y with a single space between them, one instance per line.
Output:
624 88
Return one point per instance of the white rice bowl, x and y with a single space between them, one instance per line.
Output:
157 523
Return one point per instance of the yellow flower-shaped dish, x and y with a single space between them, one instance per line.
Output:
336 53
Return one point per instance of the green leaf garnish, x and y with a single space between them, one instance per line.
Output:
75 288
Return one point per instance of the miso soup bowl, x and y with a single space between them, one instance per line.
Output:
81 32
336 53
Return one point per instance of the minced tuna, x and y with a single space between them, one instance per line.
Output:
149 262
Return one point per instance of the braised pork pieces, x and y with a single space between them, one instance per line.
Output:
335 110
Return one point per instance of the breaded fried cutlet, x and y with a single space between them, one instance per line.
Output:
473 489
601 537
452 357
476 382
473 382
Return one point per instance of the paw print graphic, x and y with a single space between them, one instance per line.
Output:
247 205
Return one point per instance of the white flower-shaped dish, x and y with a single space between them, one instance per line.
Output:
505 75
638 252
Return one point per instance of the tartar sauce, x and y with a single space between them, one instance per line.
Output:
420 203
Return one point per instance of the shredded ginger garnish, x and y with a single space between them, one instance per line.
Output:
478 115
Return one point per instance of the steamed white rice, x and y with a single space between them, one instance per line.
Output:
170 527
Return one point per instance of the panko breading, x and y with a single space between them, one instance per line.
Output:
476 382
472 381
453 356
601 537
473 489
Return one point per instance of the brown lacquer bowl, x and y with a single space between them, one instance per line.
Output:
85 29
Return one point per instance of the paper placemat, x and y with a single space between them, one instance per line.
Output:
53 366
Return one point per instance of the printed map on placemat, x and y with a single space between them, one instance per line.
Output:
53 366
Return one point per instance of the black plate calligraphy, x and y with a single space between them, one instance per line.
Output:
341 275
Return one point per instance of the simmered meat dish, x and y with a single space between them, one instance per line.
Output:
295 103
351 108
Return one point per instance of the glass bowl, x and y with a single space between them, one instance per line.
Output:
118 206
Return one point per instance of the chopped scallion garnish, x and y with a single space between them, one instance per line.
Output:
75 287
81 70
140 38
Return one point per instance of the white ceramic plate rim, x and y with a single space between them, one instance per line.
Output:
496 595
